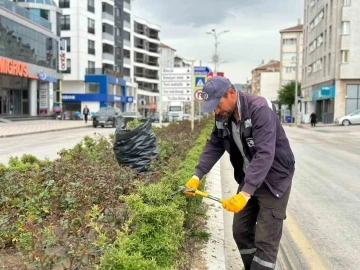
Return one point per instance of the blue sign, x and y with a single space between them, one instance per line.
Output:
96 97
201 70
325 92
199 82
47 78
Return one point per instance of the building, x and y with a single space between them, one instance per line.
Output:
167 56
93 31
180 61
264 85
29 60
291 40
331 78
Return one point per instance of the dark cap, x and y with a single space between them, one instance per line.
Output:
213 91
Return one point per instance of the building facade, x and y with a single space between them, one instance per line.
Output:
291 41
93 31
29 59
167 56
272 66
331 79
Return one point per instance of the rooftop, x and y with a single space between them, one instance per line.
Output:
297 28
162 45
273 65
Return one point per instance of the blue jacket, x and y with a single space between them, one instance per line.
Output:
265 145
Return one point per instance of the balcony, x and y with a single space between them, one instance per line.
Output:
127 5
127 61
127 43
108 36
107 16
127 24
25 13
108 56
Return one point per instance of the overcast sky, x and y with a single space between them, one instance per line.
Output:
254 29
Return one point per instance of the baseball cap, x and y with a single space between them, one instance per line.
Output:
213 91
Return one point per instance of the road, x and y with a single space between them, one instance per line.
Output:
46 144
322 229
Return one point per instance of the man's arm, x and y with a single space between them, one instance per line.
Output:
264 136
212 152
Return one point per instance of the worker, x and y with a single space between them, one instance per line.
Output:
247 127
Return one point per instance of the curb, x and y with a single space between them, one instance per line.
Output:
214 252
43 131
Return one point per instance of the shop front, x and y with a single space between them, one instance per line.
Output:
324 103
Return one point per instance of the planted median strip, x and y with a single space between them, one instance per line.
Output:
83 209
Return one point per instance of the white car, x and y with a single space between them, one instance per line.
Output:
352 118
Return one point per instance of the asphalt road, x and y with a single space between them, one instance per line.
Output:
46 144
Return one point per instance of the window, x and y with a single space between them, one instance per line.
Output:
345 56
324 70
65 22
289 41
329 63
91 47
289 69
107 28
330 35
91 6
91 64
352 98
347 3
68 63
91 26
346 28
93 88
64 3
289 55
68 44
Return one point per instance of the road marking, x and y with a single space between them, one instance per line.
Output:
303 245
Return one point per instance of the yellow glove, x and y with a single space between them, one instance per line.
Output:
194 183
235 203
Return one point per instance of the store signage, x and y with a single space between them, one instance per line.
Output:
14 68
62 55
47 78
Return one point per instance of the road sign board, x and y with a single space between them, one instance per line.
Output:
170 91
201 70
198 95
176 84
183 71
200 81
176 77
176 98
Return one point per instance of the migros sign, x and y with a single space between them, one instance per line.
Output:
14 68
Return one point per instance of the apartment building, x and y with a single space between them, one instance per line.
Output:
93 31
291 40
29 59
263 85
167 56
331 78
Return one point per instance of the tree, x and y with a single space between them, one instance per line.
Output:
286 95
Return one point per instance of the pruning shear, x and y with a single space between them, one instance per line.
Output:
183 189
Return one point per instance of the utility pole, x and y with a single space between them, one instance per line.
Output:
216 56
296 80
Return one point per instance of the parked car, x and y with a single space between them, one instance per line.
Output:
352 118
187 116
155 117
107 116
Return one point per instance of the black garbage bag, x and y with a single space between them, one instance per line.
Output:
135 148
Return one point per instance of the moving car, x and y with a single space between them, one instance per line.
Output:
352 118
107 116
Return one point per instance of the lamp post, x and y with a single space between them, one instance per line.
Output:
216 56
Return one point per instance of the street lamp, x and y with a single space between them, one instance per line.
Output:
216 56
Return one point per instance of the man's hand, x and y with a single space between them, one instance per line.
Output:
194 183
236 203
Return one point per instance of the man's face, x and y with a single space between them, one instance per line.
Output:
227 104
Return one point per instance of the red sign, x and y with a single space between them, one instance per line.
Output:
13 68
198 95
211 75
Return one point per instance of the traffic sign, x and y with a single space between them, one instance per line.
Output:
182 71
176 77
176 91
182 98
175 84
201 70
199 81
198 95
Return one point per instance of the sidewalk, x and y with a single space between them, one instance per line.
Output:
221 252
33 127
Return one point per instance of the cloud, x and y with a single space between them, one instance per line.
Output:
254 29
